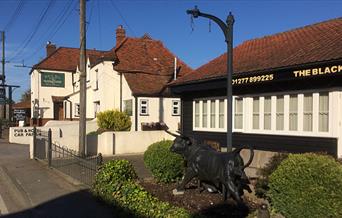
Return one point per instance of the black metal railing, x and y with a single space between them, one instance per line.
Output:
66 160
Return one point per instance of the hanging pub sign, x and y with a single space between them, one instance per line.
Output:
19 114
53 79
251 78
2 95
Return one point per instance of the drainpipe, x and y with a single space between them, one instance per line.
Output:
120 92
70 108
136 113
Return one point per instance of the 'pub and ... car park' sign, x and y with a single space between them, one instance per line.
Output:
53 79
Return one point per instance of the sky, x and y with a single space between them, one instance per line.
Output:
30 24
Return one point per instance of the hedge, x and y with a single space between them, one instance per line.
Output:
307 185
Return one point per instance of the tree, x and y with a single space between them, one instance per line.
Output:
26 96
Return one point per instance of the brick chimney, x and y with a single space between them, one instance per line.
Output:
50 48
120 34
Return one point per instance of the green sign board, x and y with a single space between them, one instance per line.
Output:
53 79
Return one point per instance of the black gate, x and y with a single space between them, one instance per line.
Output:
66 160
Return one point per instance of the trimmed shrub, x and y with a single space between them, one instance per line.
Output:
307 185
113 120
115 183
261 186
165 165
112 175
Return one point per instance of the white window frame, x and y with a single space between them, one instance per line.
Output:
96 79
96 108
235 98
143 103
255 113
77 109
307 112
175 107
209 114
125 103
280 113
294 113
300 113
268 113
323 112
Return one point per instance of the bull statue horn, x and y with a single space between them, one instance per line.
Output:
175 135
179 132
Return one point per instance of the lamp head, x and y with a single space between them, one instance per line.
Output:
194 12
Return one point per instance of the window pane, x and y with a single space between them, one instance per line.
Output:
323 112
280 113
204 113
197 114
175 108
256 113
221 113
293 116
128 107
307 116
267 113
212 113
238 116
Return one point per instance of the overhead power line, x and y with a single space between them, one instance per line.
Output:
15 15
122 17
30 37
54 28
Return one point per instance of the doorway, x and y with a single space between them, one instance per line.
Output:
58 111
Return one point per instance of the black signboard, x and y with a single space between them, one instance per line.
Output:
283 75
19 114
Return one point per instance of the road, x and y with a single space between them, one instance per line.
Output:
28 188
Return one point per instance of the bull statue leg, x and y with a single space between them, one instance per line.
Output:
189 175
233 190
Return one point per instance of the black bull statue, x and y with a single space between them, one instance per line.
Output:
218 170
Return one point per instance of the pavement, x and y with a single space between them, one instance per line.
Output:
28 188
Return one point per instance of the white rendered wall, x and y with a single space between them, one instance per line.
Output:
43 94
159 110
113 143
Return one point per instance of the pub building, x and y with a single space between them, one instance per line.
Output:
287 93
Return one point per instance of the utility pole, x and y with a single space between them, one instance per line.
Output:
227 29
83 94
3 91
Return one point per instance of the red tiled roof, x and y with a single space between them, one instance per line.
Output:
148 66
309 44
67 59
22 105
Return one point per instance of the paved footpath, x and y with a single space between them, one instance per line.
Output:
29 188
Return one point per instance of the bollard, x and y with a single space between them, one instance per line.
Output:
49 147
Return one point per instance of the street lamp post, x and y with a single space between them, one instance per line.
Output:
227 29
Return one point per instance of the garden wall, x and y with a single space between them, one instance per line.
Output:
111 143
